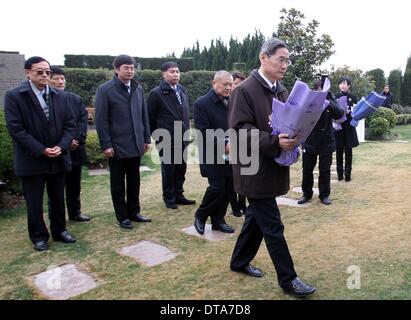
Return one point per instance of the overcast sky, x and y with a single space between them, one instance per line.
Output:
366 34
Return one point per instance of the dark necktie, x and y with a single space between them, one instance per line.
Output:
128 88
46 108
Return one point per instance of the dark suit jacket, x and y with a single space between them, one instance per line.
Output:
32 133
211 113
78 107
251 108
347 136
122 119
164 108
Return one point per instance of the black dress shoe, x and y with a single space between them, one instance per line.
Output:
237 213
326 201
303 200
347 178
298 288
41 245
223 227
65 237
185 201
199 225
251 271
171 205
140 218
80 218
340 178
126 224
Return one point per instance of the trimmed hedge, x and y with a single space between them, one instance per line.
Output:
84 82
380 123
106 61
403 119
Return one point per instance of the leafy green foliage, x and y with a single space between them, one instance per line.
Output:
378 78
394 80
361 84
403 119
95 157
378 127
6 147
307 49
406 84
387 114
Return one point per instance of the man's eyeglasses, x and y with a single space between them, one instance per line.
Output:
282 60
41 72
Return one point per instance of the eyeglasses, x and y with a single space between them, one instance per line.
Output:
41 72
282 60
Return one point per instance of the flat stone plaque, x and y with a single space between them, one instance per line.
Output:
148 253
209 234
63 282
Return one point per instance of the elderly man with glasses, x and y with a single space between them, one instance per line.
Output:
42 128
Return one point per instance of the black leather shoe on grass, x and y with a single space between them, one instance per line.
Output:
326 201
64 237
126 224
251 271
199 225
80 218
223 227
299 289
303 200
140 218
184 201
41 245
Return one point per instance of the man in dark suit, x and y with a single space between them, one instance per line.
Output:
168 110
42 127
249 112
77 146
210 115
389 97
124 133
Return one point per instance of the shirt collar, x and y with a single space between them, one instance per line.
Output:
270 84
36 90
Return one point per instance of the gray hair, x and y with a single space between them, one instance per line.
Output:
271 45
221 74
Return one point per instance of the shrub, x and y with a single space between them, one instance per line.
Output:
387 114
378 128
95 157
6 147
397 108
403 119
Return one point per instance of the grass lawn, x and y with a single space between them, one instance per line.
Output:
368 225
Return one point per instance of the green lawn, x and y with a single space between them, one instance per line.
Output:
368 225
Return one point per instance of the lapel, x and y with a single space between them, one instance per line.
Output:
37 107
169 94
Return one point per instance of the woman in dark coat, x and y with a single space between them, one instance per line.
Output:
346 138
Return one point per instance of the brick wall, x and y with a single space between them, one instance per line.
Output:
11 72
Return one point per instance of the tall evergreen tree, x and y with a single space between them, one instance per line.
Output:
378 77
406 84
394 80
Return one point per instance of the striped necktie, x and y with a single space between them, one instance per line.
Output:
46 106
180 101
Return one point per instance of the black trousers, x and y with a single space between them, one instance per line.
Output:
33 189
215 200
173 177
172 172
263 220
341 169
237 202
125 186
73 189
309 162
